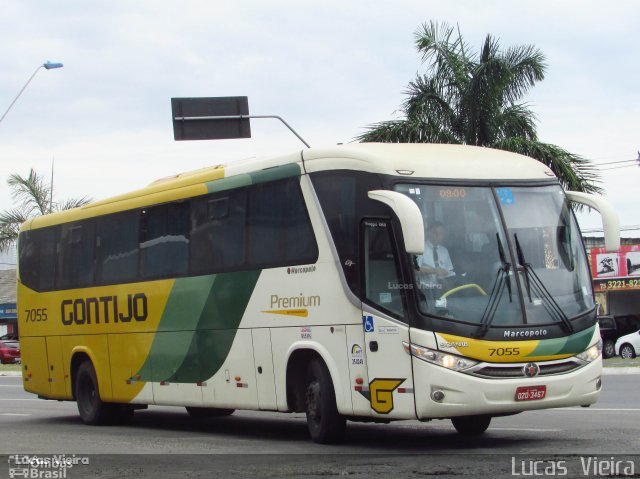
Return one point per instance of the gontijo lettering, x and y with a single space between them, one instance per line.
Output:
104 309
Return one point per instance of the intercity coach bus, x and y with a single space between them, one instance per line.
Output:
297 283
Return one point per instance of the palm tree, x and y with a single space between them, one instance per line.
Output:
35 198
476 99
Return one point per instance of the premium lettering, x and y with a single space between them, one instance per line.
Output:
294 301
104 309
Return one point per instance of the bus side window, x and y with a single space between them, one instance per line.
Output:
164 240
38 253
75 262
117 248
218 232
280 231
382 282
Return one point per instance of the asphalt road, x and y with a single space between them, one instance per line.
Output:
166 442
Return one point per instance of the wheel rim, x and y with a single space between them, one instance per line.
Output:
626 352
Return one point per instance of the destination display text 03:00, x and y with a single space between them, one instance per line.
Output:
629 283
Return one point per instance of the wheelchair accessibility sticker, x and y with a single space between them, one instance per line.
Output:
367 322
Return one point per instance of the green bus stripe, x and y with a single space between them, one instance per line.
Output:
263 176
198 326
574 344
217 326
230 183
276 173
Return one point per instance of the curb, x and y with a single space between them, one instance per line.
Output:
611 371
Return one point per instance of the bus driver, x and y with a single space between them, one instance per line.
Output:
435 264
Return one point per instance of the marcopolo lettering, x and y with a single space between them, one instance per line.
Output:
105 309
529 333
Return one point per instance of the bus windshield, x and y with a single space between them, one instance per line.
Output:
489 251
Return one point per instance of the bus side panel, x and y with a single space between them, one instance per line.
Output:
127 354
35 373
330 343
234 383
265 377
57 374
176 368
97 348
391 388
358 370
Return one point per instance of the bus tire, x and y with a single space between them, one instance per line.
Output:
204 412
471 425
93 411
325 424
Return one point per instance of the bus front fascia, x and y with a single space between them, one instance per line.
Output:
409 216
610 220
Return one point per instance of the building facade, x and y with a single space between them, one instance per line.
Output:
8 310
616 276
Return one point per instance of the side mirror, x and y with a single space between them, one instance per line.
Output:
409 215
610 220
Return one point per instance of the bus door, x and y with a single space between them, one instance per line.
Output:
390 381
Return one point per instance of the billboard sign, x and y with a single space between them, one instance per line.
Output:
616 271
8 311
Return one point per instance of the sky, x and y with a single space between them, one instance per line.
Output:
328 68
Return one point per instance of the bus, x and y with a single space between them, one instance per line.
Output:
300 283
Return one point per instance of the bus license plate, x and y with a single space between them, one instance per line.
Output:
531 393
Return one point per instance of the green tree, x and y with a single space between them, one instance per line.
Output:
33 196
476 99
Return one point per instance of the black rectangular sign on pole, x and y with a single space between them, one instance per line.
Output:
216 118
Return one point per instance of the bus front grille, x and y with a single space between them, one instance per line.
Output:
508 371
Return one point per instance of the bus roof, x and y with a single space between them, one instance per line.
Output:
421 160
439 161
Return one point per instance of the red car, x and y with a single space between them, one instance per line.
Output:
9 351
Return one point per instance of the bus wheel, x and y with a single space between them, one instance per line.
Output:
471 425
91 408
325 424
203 412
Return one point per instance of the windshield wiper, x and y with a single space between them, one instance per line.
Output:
505 265
502 280
533 282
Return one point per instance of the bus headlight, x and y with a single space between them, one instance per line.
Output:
449 361
591 353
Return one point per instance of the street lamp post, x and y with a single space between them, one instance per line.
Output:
47 66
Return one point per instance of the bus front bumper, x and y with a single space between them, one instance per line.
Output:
443 393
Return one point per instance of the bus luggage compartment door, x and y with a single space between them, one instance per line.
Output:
58 386
35 374
265 378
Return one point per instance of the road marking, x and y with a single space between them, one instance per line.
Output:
13 414
612 409
421 427
523 429
11 385
20 399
